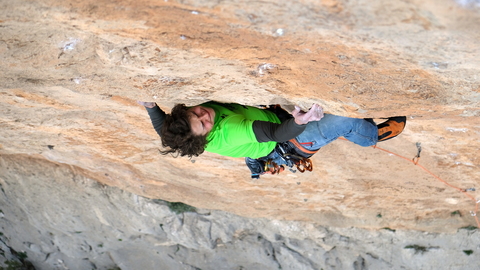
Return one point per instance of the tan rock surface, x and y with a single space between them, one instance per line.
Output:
72 70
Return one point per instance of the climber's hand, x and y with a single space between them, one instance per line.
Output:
314 114
147 104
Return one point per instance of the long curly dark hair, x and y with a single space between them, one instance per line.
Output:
177 136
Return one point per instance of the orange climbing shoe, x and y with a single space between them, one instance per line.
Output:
391 128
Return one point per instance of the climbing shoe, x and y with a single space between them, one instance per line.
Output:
391 128
256 167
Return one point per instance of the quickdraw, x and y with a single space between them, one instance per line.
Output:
273 168
416 159
304 164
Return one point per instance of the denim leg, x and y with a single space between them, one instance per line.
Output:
331 127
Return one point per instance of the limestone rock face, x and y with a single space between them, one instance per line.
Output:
72 70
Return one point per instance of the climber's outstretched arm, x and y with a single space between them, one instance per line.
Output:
157 116
289 129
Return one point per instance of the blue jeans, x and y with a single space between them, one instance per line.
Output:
320 133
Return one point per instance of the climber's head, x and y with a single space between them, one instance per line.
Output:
201 119
185 130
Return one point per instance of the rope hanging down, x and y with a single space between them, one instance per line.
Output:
415 161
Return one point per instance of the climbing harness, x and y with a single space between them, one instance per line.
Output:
290 153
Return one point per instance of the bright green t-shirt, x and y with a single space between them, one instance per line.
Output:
232 133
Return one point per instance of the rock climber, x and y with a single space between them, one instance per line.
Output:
268 137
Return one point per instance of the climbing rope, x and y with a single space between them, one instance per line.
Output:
415 161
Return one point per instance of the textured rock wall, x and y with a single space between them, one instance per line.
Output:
72 70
